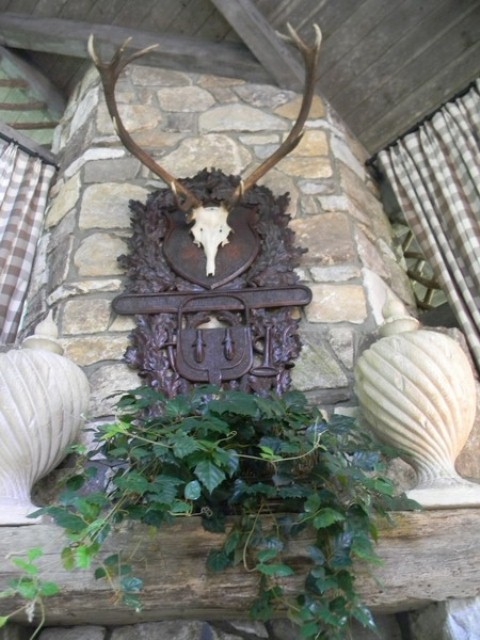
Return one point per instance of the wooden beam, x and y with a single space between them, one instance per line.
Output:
37 85
275 55
29 146
426 557
69 38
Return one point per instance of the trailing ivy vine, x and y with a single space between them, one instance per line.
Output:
270 467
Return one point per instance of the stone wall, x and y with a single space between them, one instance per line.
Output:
194 630
189 122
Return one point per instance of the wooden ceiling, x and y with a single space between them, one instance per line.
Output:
385 64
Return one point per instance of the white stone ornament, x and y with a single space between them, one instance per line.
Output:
417 391
43 397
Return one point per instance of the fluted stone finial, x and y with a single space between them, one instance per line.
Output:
45 336
43 398
397 320
417 391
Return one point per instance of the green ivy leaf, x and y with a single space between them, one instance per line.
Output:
164 489
133 481
275 569
27 588
26 566
49 588
184 445
3 620
267 554
131 584
326 517
192 490
209 474
66 519
218 560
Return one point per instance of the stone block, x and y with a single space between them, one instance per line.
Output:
85 632
97 255
59 250
89 350
354 187
342 341
336 273
185 99
307 167
105 205
171 630
86 315
91 156
263 96
328 237
135 117
238 117
153 76
65 200
111 170
451 620
317 367
14 631
85 109
211 150
292 108
337 303
108 383
81 287
314 143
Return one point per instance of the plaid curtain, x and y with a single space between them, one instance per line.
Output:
435 174
24 184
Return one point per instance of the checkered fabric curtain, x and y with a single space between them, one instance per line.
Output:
24 184
435 174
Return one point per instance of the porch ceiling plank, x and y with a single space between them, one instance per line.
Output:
427 556
69 38
412 108
449 45
396 46
257 33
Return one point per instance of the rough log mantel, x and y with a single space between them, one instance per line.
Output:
427 556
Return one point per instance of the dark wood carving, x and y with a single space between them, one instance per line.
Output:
235 328
211 265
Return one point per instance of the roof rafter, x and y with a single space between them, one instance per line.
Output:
262 40
69 38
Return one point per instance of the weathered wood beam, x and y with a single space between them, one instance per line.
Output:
426 557
69 38
262 40
37 85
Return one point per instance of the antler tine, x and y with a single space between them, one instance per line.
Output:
310 57
109 74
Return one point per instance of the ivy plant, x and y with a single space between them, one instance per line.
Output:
30 587
271 467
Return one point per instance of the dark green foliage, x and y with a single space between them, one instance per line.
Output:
218 453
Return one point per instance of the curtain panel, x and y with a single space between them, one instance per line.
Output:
435 174
24 185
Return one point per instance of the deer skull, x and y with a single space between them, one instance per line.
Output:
210 231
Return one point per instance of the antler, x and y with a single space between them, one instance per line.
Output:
310 57
109 74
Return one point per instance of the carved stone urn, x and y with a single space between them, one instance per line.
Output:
42 398
417 392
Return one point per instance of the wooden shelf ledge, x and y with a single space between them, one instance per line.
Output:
426 557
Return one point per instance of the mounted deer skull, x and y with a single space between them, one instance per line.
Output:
210 229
